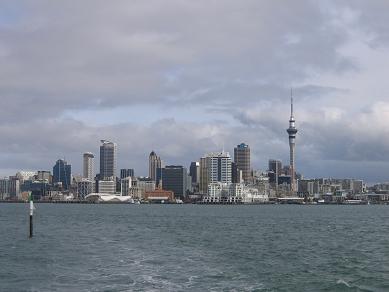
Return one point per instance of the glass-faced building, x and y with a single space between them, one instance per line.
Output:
62 173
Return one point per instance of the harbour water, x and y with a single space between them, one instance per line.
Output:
194 248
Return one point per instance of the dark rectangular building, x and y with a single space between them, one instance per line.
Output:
242 160
194 171
176 179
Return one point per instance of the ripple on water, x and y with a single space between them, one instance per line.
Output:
195 248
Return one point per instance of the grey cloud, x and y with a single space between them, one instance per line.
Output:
89 54
234 60
370 17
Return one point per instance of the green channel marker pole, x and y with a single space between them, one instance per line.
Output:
31 214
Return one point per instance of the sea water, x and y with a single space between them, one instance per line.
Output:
194 248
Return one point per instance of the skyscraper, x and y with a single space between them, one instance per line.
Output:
219 167
88 165
62 173
242 160
292 131
275 171
194 171
275 166
155 163
203 181
236 174
108 158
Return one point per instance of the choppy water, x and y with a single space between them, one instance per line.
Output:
195 248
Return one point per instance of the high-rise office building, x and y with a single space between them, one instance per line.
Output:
88 166
275 168
242 160
62 173
155 163
236 174
128 172
218 166
176 179
108 159
194 171
203 181
292 131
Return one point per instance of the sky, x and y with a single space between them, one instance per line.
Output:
184 78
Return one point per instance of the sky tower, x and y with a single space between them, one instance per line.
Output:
292 131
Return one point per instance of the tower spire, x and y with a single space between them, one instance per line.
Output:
292 131
291 102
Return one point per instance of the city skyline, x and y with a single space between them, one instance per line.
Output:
112 168
186 78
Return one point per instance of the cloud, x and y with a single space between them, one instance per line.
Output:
194 75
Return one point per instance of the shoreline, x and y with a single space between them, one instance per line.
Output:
193 203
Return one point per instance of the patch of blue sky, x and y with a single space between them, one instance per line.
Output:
11 13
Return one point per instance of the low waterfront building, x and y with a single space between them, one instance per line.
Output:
139 186
373 197
159 195
321 186
126 184
234 193
10 188
145 184
136 193
38 189
336 197
106 186
84 188
108 198
4 188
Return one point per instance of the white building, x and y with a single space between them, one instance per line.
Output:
253 195
88 165
234 193
108 198
106 186
26 175
219 167
215 167
217 189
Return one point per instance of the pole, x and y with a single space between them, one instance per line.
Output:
31 215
